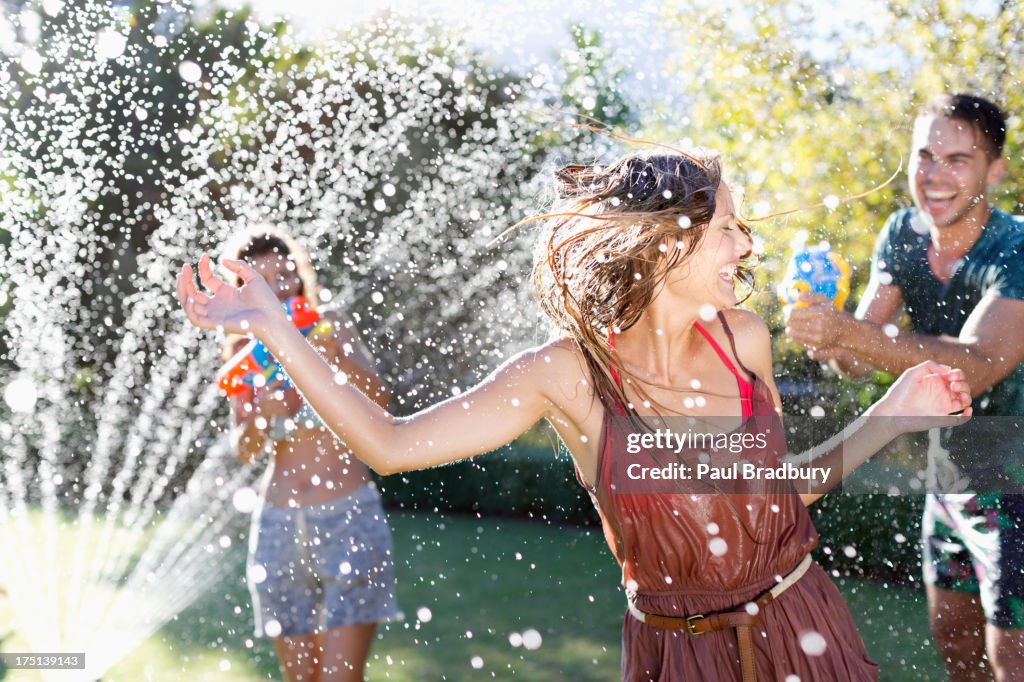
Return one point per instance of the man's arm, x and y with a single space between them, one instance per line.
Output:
817 327
990 345
879 306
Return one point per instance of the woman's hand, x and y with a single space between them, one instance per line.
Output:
242 310
926 396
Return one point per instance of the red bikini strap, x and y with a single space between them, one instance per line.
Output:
718 349
615 372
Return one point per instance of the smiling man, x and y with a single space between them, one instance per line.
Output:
956 265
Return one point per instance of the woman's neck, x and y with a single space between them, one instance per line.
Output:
663 334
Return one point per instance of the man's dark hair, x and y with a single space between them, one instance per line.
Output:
984 116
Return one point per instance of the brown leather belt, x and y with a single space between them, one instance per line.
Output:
743 621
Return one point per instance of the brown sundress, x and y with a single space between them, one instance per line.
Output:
674 563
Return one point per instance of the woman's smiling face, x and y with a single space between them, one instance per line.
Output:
707 276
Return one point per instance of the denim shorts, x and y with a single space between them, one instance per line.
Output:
322 566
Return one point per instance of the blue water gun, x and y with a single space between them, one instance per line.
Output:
815 270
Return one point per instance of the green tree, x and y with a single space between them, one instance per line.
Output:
805 113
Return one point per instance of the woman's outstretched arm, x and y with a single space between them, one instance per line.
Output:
501 407
924 397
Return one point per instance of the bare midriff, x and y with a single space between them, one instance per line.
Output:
311 467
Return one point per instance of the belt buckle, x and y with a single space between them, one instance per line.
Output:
691 622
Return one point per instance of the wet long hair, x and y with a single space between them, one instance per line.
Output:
607 248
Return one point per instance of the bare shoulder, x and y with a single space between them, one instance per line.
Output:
335 322
753 339
746 322
560 372
335 326
559 359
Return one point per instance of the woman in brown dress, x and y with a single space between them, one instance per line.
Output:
637 268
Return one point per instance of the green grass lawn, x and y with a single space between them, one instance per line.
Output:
482 581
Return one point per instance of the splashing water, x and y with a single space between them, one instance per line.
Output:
392 153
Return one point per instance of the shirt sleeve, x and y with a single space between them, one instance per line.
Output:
882 266
1009 281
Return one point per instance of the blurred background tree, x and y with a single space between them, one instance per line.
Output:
810 108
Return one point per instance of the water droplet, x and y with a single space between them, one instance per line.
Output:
813 643
110 44
189 71
21 395
244 500
31 62
257 574
531 639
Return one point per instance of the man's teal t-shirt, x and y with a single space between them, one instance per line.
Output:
993 266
